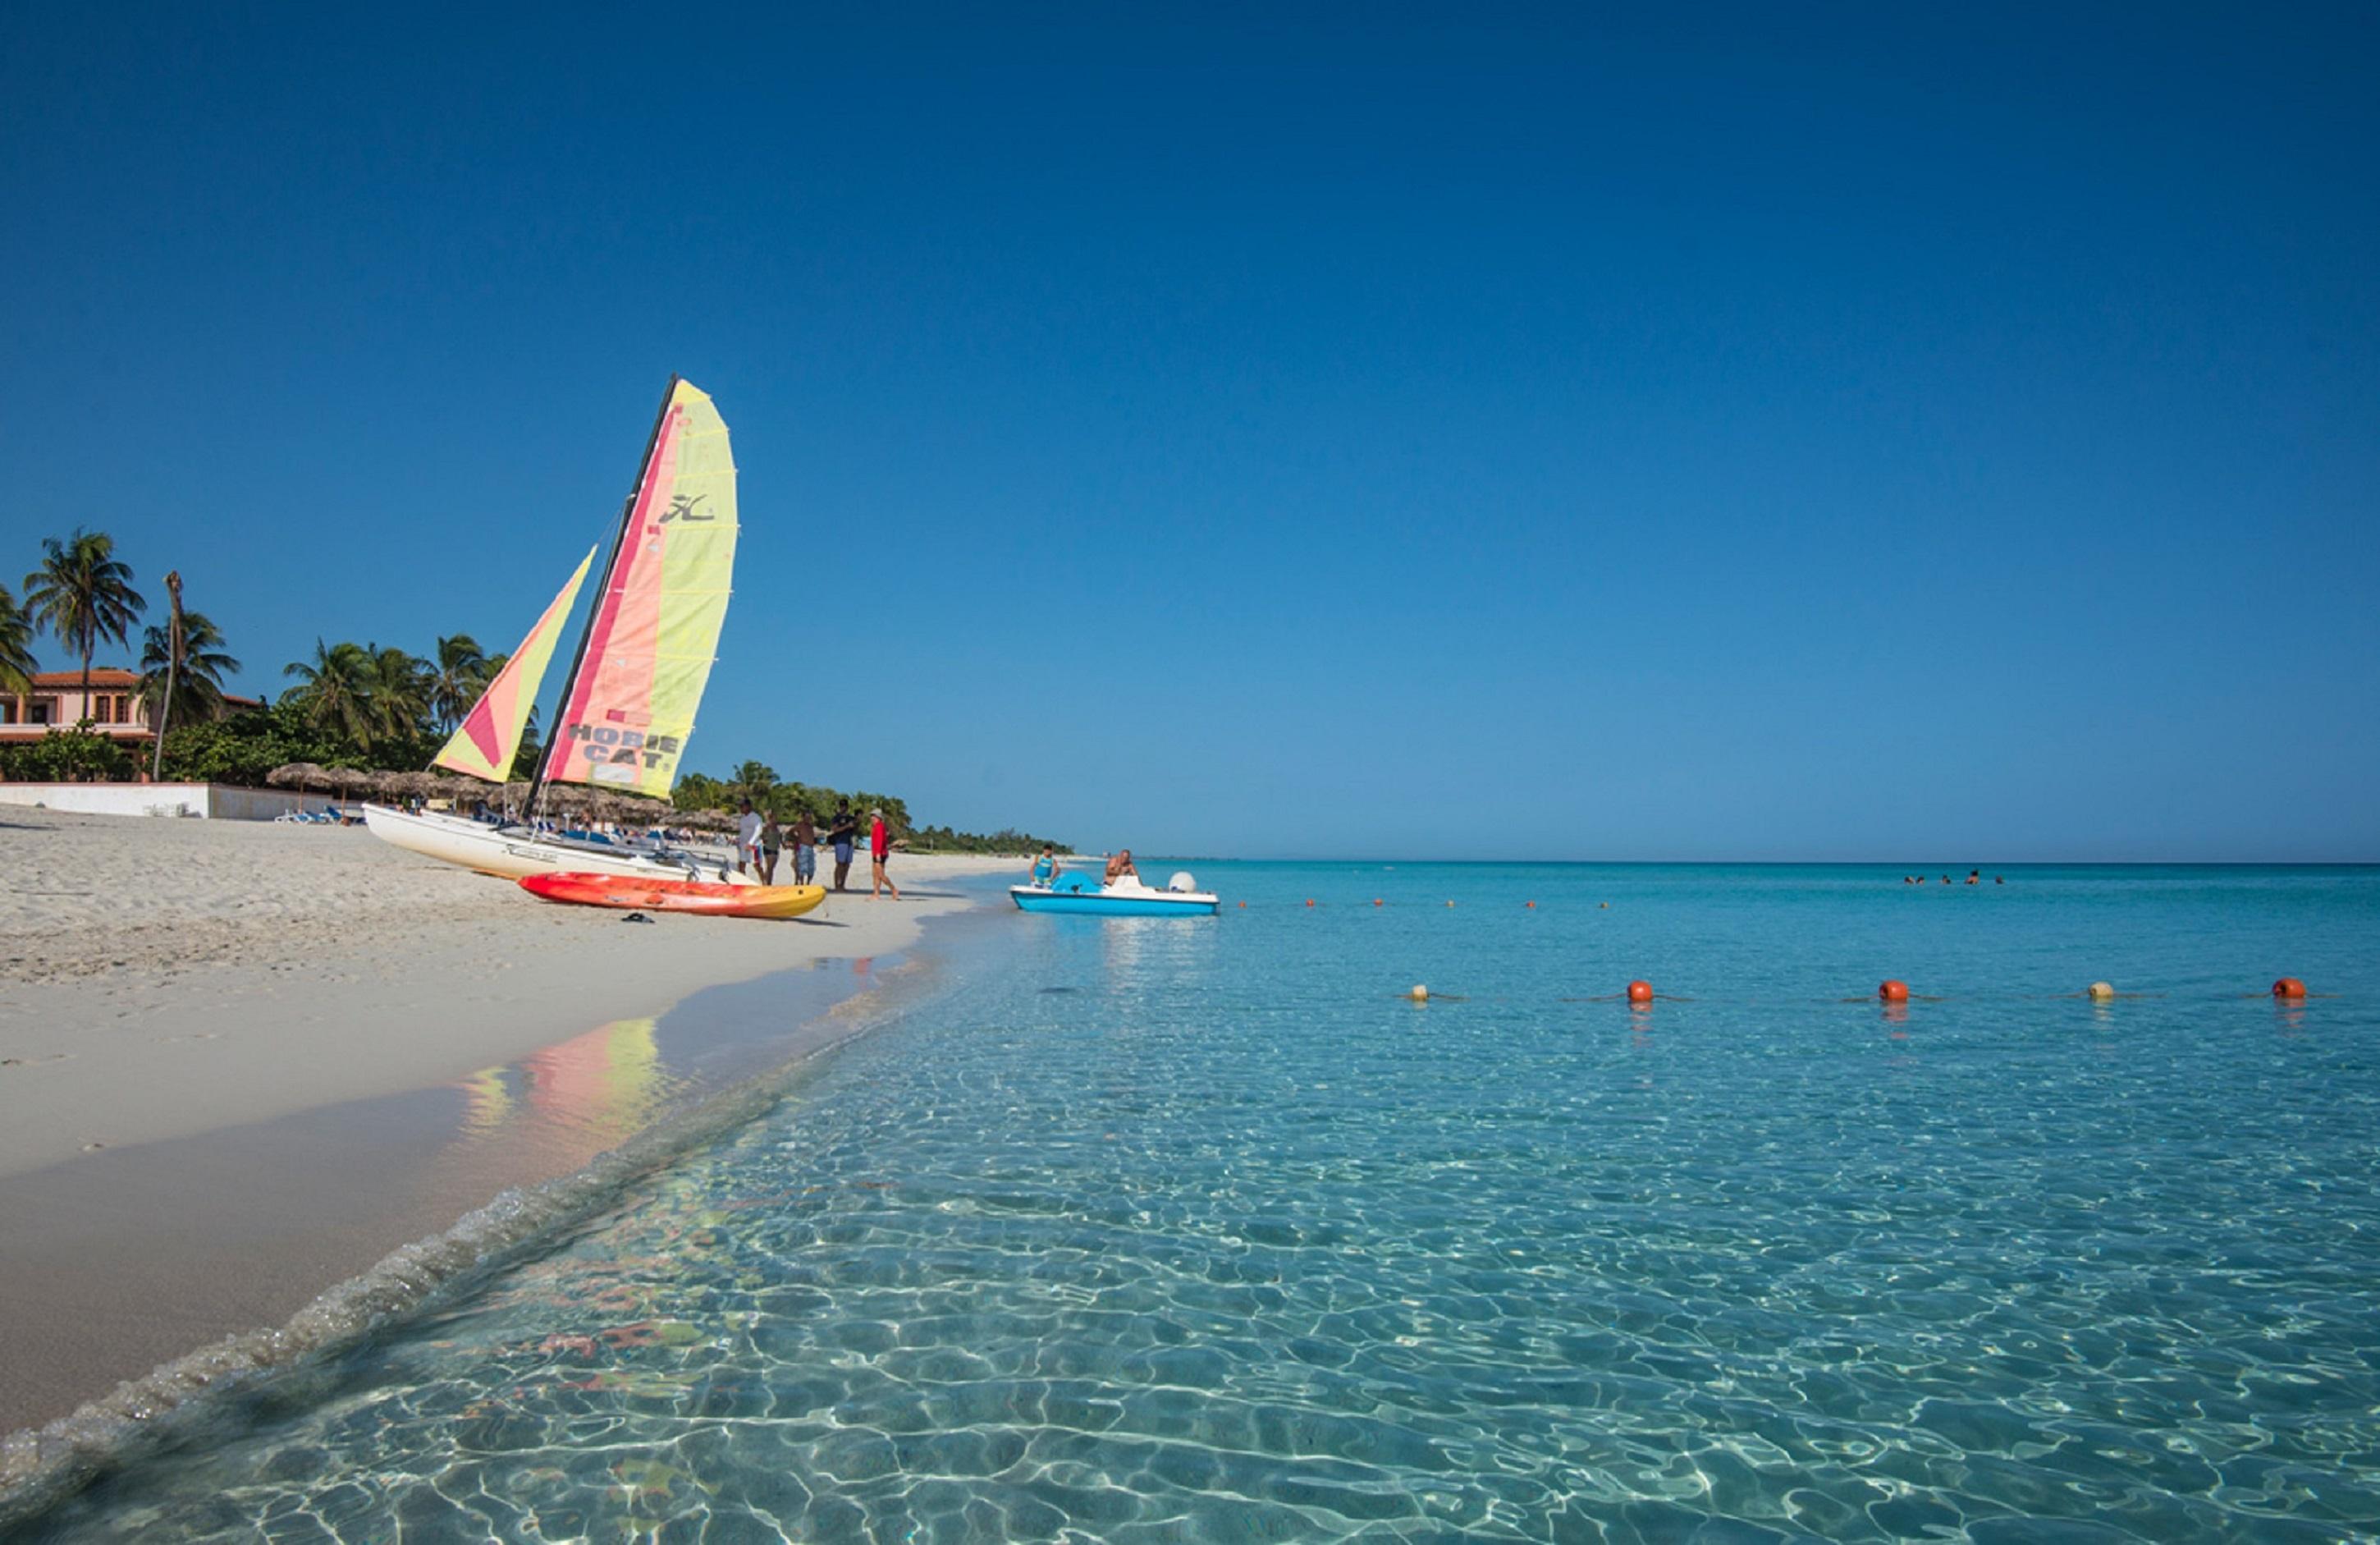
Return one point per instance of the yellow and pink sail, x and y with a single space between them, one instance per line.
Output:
486 741
629 707
629 701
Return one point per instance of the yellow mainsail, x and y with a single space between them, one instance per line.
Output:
630 704
484 744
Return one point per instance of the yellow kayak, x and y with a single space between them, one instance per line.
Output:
676 895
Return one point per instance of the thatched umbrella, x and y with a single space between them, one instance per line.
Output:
430 785
637 809
466 792
420 785
298 775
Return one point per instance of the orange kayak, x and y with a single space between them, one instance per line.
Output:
675 895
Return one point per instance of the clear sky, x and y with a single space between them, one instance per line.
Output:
1778 431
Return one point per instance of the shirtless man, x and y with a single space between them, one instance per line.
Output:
1120 865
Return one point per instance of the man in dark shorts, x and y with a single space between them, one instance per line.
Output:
842 834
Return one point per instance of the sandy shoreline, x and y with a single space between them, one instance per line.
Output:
240 1062
160 978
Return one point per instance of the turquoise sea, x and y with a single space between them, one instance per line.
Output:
1147 1230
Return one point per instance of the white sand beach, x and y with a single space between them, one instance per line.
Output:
160 978
190 991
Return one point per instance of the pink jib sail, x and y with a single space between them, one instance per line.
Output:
656 626
484 744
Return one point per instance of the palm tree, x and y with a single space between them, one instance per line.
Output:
460 671
532 750
16 664
334 690
83 593
398 692
198 687
753 780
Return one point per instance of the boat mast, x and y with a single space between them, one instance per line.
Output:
543 774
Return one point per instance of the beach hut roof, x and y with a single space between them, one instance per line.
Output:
427 784
298 775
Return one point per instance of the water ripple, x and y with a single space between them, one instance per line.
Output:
1226 1245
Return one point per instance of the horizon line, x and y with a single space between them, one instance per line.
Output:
1781 863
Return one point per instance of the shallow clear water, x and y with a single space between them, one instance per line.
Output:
1195 1231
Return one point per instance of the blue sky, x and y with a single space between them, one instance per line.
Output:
1748 433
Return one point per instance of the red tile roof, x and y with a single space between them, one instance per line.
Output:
110 677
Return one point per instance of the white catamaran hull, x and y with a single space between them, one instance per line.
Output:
513 853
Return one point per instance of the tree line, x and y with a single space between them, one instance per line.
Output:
370 706
756 782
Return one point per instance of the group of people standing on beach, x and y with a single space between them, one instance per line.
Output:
761 842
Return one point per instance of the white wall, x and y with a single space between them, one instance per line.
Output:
218 801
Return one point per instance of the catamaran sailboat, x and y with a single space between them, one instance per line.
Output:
627 705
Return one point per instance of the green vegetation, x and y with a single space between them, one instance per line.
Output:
83 593
1008 840
197 684
73 756
16 645
245 747
373 697
758 782
459 670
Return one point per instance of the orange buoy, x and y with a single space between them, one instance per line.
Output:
1894 992
1532 904
2288 986
1375 901
1309 901
1243 904
1640 992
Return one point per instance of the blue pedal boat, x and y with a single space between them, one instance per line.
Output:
1081 896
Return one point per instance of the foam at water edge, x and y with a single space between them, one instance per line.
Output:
41 1466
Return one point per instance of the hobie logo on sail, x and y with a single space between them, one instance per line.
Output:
682 508
602 745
